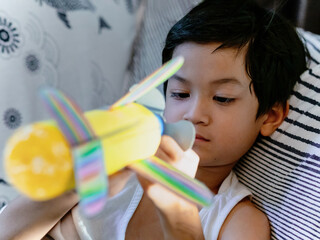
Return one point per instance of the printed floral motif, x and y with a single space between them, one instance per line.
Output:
32 62
41 55
10 38
12 118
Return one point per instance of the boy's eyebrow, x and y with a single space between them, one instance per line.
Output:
227 80
180 79
214 82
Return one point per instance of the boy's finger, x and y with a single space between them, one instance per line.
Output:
169 150
189 163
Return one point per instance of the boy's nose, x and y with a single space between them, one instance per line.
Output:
197 112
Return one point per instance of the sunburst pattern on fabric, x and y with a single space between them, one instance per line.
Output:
9 36
32 62
12 118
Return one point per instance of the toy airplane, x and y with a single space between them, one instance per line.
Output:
46 159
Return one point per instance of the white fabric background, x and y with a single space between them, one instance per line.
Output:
85 53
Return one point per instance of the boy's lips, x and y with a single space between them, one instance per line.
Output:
201 138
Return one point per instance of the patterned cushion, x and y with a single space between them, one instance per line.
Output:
82 47
283 170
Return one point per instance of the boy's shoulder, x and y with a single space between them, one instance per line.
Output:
245 221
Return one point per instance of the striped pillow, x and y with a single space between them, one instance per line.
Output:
283 171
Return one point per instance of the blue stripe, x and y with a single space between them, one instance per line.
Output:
302 187
310 86
314 60
301 125
257 200
296 151
313 46
283 202
308 114
313 74
306 99
298 138
307 175
278 164
308 185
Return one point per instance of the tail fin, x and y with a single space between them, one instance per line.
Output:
182 132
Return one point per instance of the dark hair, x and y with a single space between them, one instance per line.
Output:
275 56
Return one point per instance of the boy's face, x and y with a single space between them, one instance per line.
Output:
212 91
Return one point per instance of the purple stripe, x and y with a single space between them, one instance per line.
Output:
89 169
72 118
61 124
95 207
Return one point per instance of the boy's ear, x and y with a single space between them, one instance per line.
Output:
274 118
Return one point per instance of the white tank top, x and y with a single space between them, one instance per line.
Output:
113 222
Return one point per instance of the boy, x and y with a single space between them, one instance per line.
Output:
241 63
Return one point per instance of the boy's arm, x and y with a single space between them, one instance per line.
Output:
26 219
245 222
179 218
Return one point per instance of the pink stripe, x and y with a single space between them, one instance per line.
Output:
89 169
94 207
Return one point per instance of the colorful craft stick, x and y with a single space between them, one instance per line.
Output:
91 179
152 81
68 116
161 172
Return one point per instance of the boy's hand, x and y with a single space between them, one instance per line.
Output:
179 218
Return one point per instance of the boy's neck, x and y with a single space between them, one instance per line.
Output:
213 176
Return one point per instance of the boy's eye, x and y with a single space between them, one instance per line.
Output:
223 100
178 95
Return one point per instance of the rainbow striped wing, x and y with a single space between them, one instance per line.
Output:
159 171
91 179
68 116
152 81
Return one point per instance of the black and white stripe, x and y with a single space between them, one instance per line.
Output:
312 43
283 170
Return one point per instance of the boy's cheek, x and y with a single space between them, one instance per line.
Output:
172 114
